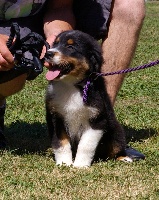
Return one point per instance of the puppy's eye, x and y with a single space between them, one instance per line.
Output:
70 46
56 40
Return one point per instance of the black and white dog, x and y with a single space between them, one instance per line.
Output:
80 131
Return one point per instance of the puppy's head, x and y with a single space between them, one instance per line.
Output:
74 54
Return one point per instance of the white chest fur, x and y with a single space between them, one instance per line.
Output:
67 101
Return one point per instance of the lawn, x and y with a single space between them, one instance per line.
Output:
27 170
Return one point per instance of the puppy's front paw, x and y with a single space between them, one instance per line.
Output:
64 162
63 159
63 155
81 164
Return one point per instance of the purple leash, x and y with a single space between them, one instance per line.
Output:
86 87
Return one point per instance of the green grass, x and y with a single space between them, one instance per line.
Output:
27 170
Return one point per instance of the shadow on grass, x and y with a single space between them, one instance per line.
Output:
28 138
33 138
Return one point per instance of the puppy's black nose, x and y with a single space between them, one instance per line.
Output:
49 54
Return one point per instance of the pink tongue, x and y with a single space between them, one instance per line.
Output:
50 75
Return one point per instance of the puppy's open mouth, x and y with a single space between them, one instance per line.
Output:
58 71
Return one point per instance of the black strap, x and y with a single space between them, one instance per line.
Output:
32 43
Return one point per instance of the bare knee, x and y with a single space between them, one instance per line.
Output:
11 87
130 11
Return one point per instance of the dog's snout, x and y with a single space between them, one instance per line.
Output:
49 54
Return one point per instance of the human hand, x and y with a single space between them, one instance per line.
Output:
6 58
50 41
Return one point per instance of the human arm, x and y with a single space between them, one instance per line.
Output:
6 58
59 17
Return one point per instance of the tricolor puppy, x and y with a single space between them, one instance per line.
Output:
80 131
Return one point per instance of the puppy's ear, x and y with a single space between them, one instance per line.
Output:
96 59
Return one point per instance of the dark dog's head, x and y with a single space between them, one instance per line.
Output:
73 53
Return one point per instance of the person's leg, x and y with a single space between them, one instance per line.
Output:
118 49
2 112
16 84
7 89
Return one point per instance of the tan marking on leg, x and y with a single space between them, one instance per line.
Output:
64 140
125 159
113 150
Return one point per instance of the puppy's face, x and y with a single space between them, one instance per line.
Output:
73 53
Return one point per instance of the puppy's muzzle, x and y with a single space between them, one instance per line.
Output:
49 54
